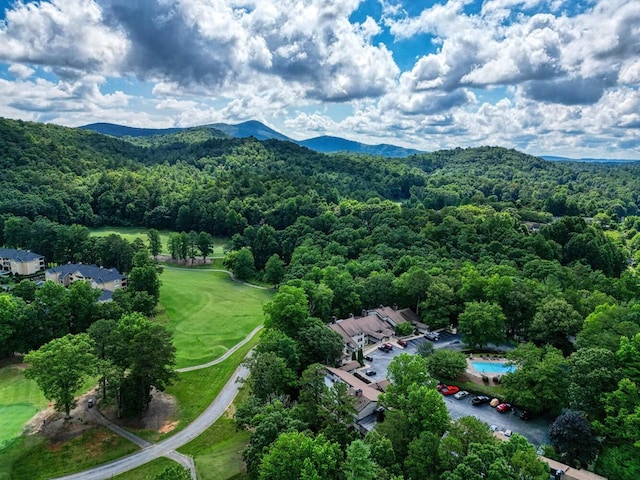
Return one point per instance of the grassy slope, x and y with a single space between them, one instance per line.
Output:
207 312
42 460
148 470
20 399
218 451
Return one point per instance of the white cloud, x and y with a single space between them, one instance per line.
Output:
67 35
21 71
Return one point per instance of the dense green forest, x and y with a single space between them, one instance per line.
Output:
549 249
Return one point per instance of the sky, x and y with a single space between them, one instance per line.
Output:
546 77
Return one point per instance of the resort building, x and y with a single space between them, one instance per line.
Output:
20 262
106 279
372 326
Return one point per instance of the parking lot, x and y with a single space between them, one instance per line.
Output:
535 430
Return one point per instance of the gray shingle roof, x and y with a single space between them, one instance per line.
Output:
98 274
19 255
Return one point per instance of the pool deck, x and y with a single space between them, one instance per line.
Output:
474 374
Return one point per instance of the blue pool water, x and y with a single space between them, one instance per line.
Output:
492 367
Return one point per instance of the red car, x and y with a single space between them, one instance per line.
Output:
449 390
402 343
503 407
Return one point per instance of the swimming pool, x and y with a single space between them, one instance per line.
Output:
492 367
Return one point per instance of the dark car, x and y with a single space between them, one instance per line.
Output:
402 343
480 400
384 348
503 407
525 415
368 358
90 403
370 373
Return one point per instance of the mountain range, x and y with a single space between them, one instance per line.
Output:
253 128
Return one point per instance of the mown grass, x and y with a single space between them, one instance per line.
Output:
194 391
36 460
207 312
131 233
148 470
218 451
20 399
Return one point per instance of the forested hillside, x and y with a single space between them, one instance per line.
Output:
195 180
456 235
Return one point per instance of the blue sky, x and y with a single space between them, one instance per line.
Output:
556 77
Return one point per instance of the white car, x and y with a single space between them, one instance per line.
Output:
507 433
461 394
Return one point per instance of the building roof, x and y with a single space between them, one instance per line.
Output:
350 327
106 296
364 393
396 317
351 366
98 274
19 255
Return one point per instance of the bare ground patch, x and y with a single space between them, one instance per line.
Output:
53 426
160 415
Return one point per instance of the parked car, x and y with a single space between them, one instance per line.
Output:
480 400
440 386
389 346
461 394
402 343
507 433
384 348
450 390
525 415
90 403
370 373
503 407
433 336
368 358
494 402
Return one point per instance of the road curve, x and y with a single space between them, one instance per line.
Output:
213 412
226 355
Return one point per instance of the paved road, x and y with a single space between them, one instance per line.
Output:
167 447
183 460
227 354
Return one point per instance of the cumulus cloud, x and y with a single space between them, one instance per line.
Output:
66 35
205 44
559 59
539 75
21 71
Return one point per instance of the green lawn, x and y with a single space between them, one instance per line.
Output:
208 312
40 460
148 470
20 399
218 451
194 391
131 233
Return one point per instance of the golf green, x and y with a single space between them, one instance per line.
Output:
20 399
208 312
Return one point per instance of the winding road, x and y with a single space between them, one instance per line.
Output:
167 447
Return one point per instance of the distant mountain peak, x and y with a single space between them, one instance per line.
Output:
260 131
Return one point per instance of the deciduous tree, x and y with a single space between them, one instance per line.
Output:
60 367
482 323
571 435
